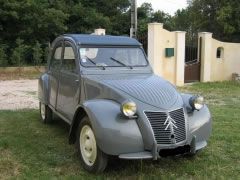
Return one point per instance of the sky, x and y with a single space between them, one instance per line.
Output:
168 6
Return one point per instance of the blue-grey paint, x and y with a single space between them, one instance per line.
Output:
100 93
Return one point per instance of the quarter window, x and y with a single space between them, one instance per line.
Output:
68 62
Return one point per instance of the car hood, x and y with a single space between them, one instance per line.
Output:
149 89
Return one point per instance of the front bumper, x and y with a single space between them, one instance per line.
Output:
158 152
198 130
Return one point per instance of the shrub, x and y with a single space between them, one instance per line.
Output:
3 57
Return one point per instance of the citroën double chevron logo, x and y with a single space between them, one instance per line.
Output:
170 123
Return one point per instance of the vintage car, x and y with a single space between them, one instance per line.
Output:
105 89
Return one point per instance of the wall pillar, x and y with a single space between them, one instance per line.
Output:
206 53
180 58
100 32
154 44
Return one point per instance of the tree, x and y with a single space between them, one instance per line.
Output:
43 20
3 57
37 53
18 55
219 17
147 15
166 19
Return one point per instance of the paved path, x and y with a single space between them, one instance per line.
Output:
18 94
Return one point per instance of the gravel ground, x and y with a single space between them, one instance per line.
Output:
18 94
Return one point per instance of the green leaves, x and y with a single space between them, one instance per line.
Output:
3 57
27 26
37 53
18 53
219 17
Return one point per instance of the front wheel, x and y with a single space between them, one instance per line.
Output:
91 157
45 113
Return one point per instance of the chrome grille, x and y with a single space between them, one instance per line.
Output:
169 135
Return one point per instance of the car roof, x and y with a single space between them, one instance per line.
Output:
85 39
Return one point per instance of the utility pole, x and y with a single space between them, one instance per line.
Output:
133 30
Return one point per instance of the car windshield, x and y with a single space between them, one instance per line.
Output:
112 57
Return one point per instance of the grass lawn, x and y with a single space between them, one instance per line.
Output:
30 149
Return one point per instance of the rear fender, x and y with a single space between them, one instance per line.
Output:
43 89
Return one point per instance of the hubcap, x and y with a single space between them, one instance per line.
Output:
88 145
43 109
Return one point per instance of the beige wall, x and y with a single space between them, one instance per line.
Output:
169 63
229 63
170 68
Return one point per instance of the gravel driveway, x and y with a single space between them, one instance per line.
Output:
18 94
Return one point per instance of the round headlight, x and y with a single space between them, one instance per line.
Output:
129 108
197 102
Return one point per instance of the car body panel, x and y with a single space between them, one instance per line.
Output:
43 89
115 133
68 94
101 91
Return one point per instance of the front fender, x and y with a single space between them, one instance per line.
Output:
43 88
115 134
199 123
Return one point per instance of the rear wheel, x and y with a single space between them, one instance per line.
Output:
45 113
91 157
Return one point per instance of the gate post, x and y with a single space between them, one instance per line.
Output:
155 47
180 57
205 52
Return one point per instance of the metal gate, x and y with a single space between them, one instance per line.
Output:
193 61
144 40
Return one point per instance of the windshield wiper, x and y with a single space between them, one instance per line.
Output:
119 62
89 59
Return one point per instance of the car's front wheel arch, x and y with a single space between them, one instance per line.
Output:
91 156
78 117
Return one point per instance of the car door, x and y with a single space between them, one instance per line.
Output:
53 72
69 82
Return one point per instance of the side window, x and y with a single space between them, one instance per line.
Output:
56 59
68 62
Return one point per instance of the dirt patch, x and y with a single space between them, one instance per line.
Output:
18 94
9 167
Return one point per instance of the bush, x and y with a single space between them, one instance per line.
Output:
3 57
18 54
37 53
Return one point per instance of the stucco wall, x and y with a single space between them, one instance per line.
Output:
223 68
169 63
170 68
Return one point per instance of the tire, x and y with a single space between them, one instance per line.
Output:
92 158
45 113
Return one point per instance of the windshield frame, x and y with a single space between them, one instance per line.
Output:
102 46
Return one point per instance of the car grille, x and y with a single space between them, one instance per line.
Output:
172 134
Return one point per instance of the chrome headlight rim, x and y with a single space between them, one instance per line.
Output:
196 102
129 109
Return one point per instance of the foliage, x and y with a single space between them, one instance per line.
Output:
18 53
43 20
37 53
3 56
219 17
147 15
